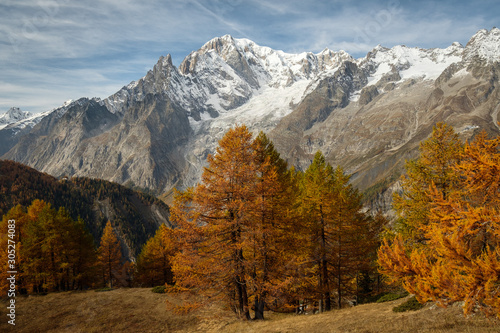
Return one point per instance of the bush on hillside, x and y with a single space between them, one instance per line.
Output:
410 305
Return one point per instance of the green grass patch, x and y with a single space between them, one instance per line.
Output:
104 289
410 305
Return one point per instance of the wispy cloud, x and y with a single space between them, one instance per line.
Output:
54 50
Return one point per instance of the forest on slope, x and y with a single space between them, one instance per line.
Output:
135 215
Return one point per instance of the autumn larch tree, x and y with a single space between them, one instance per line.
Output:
47 245
435 167
214 219
110 255
243 235
18 215
267 221
53 251
460 260
233 225
83 256
338 231
438 155
154 266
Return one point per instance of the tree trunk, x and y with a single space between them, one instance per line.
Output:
339 291
243 309
325 292
326 285
259 308
110 274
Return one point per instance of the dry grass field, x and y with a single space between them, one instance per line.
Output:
140 310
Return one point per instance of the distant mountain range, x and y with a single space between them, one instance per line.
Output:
366 114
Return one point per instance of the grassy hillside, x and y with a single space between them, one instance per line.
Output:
140 310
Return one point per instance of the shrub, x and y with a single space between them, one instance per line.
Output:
392 296
159 289
410 305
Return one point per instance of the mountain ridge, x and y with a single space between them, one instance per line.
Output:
362 113
135 215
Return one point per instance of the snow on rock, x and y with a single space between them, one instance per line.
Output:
409 62
16 120
12 116
231 80
484 45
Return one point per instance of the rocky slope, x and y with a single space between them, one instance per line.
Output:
366 114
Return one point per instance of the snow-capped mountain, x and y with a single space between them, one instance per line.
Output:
366 114
484 45
225 73
402 63
12 116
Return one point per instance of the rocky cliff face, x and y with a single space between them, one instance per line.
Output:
366 114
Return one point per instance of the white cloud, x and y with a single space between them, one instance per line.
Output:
54 50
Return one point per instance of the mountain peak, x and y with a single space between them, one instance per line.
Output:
13 115
165 61
363 113
14 111
218 43
484 45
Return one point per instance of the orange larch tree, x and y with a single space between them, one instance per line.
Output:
255 232
232 226
214 221
338 231
53 251
154 266
460 260
438 155
109 255
17 238
267 226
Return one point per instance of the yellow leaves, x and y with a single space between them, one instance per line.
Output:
246 231
53 252
459 255
434 169
154 261
110 254
394 261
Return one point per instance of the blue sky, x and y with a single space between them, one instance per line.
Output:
55 50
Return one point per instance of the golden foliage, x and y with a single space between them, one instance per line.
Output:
109 255
53 252
154 261
255 232
459 259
